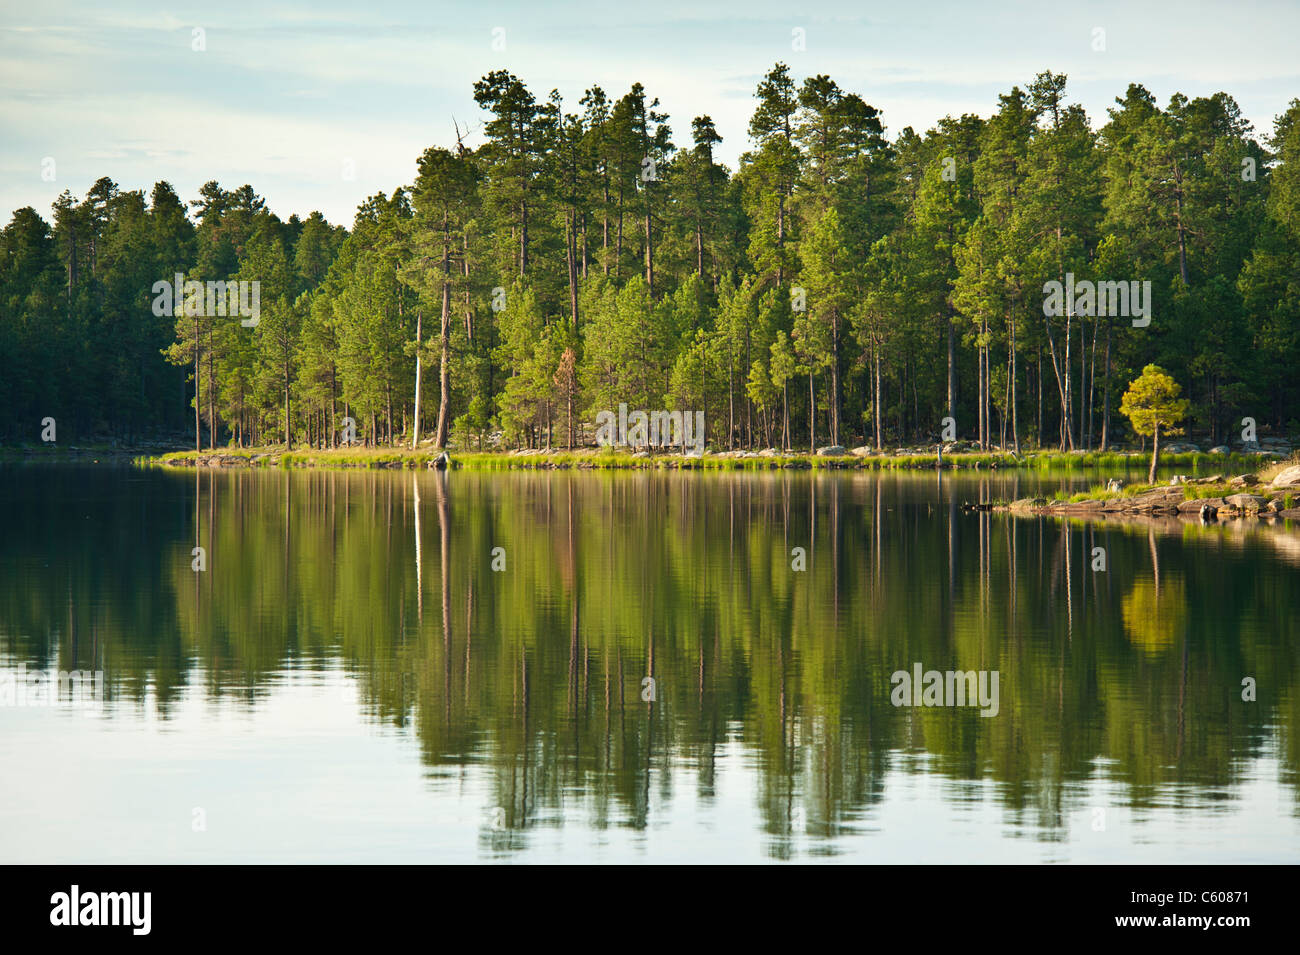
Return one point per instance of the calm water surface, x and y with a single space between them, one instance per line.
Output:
351 680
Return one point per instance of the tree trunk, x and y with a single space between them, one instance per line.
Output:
618 240
835 379
444 370
1155 455
288 433
570 243
415 417
649 245
785 415
1015 427
212 391
780 240
952 369
875 392
198 447
812 416
1105 414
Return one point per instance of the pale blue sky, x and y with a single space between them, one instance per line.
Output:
286 94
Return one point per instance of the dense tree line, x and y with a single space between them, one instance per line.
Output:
839 287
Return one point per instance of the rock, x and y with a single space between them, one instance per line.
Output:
1244 480
1220 449
1028 503
1182 448
1288 477
1275 506
831 450
1159 495
1246 502
862 452
441 463
768 453
646 454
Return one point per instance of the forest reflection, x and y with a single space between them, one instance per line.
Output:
537 671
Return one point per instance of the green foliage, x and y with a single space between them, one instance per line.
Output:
1152 403
836 286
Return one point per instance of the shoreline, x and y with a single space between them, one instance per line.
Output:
606 459
1264 497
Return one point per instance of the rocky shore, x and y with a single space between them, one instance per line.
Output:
1195 500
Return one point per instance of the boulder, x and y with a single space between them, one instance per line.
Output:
1194 504
1160 495
1246 502
831 450
1244 480
1288 477
1028 503
1220 449
862 451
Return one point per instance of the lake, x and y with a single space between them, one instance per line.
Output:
633 667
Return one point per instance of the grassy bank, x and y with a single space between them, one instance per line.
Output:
611 459
1204 487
